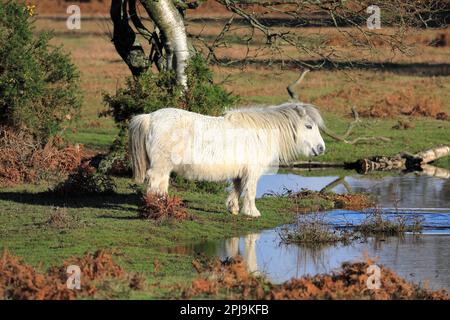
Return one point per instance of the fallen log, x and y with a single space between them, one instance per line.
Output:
433 154
382 163
402 161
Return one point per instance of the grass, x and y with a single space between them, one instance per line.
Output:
111 222
377 224
334 92
312 230
427 134
59 218
302 203
93 138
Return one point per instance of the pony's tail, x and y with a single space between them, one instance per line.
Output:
137 138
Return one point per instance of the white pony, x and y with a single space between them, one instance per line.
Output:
239 146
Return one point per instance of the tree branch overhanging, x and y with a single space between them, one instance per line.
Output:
403 15
168 39
124 39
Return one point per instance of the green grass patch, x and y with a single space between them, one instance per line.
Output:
428 133
30 229
377 224
312 230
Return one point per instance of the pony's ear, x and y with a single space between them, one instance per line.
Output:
301 110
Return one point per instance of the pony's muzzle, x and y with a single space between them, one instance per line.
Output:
320 148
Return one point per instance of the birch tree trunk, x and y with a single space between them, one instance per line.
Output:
173 34
169 39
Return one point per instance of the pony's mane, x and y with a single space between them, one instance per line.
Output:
283 118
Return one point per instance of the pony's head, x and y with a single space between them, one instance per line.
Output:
296 126
308 139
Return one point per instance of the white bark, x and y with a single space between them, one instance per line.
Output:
436 172
170 22
433 154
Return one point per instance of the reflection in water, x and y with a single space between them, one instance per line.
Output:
431 222
406 191
232 249
423 260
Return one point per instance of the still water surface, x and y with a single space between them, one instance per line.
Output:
424 259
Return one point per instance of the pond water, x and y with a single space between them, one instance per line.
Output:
408 191
423 259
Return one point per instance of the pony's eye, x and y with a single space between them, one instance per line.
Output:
308 126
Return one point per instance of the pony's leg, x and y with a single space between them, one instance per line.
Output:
249 190
164 183
233 197
250 252
158 180
232 247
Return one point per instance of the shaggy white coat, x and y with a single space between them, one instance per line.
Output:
239 146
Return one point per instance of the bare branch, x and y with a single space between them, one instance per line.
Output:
333 184
403 15
349 131
138 23
124 39
403 161
367 139
351 126
290 88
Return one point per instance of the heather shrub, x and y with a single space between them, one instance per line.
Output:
156 207
152 91
39 85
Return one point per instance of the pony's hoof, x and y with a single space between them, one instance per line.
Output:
233 207
253 213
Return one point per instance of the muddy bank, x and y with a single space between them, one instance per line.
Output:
350 201
389 191
306 201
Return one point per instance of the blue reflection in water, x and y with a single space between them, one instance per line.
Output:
424 259
406 191
430 221
419 259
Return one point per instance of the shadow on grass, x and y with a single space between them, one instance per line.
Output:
192 205
112 201
110 216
